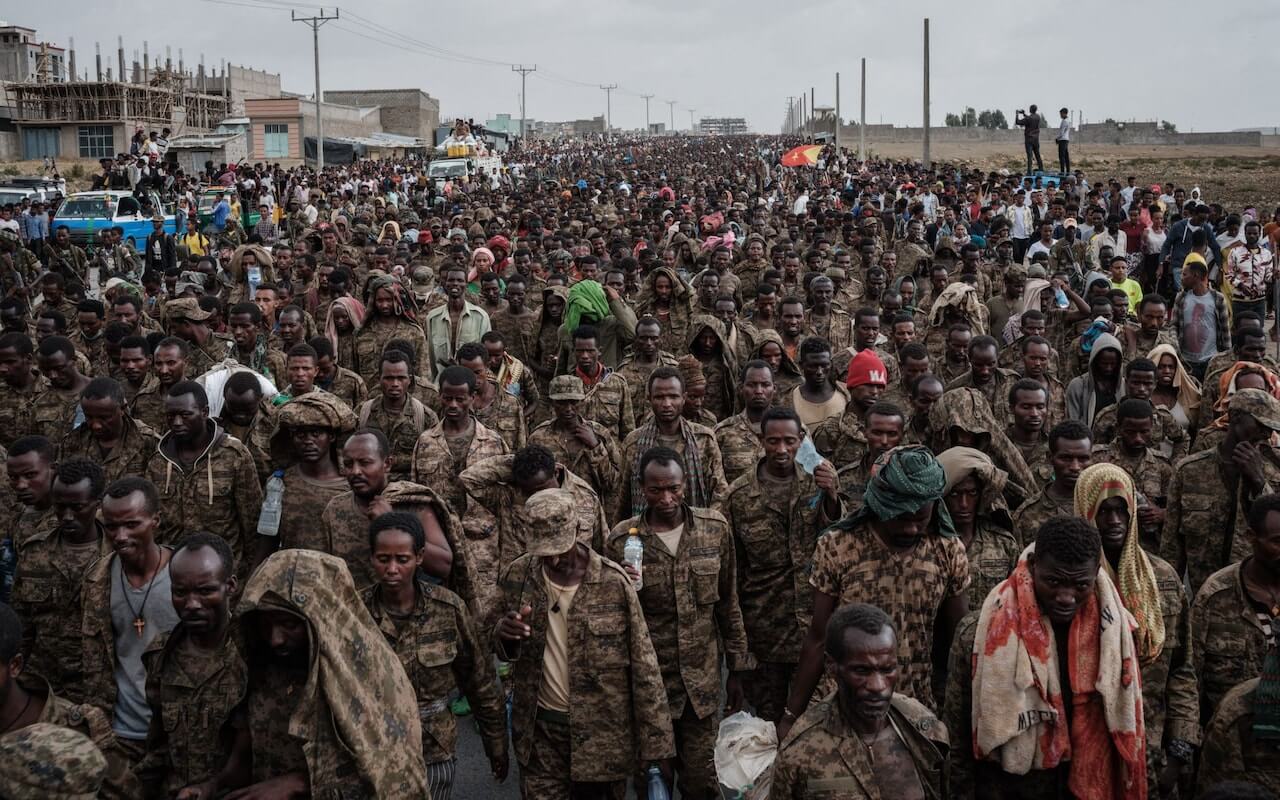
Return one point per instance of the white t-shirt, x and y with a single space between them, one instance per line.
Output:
1064 130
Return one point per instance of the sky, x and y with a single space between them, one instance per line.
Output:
732 58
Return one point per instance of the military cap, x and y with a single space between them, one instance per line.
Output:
566 387
187 308
552 512
1259 405
48 762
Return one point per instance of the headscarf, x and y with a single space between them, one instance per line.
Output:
316 409
49 762
961 462
963 298
1187 386
1134 576
967 409
402 304
1030 300
357 682
395 230
355 310
902 481
473 272
263 257
897 287
1227 388
586 298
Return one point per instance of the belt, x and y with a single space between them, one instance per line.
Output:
553 717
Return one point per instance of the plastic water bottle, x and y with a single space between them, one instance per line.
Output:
255 279
657 786
633 554
272 504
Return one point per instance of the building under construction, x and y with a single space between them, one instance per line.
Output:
80 117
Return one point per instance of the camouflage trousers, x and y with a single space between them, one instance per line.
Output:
546 775
695 757
132 749
767 688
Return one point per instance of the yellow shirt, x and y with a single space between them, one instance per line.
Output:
553 694
1131 288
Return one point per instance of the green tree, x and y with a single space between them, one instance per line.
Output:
1167 126
970 118
953 121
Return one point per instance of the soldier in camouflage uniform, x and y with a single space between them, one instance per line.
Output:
739 435
67 259
314 653
395 412
439 646
1070 451
498 410
1132 450
56 550
207 478
338 381
189 321
244 321
56 411
588 706
196 677
1240 742
584 447
1234 614
849 744
20 384
975 501
645 357
1166 438
1211 491
776 519
53 288
608 395
109 436
1029 427
390 315
18 265
689 596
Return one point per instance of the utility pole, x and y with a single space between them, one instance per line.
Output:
790 126
862 118
672 108
315 23
524 73
813 120
691 128
837 134
925 160
608 105
647 130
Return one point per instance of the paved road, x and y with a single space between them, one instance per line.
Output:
474 780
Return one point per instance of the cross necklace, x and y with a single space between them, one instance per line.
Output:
139 623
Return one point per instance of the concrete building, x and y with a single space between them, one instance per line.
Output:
23 58
405 112
722 126
191 151
278 126
242 83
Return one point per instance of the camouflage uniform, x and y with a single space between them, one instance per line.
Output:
216 349
841 439
347 387
441 648
1201 505
146 405
608 402
488 482
94 352
855 566
1232 752
1151 472
46 595
618 715
740 445
302 496
1035 455
17 409
54 413
992 554
1167 437
708 457
1144 342
504 416
519 334
599 466
823 756
1170 706
1228 640
995 392
836 327
219 493
1033 513
67 309
267 362
373 337
774 536
402 429
637 377
690 604
256 436
129 457
193 695
118 781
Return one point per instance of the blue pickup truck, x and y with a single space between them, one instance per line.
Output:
87 214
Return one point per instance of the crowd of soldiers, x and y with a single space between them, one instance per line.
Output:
966 482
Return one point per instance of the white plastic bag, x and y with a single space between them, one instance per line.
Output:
745 749
215 380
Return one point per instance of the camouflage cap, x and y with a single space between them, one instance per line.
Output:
187 308
551 512
49 762
1259 405
566 387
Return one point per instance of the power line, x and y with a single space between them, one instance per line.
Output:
524 73
315 22
608 105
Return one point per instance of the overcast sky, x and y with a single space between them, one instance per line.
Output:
1202 67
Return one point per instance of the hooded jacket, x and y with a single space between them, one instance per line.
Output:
1082 396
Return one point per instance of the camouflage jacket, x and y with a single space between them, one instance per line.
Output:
841 439
1228 641
347 386
219 493
992 555
504 416
608 402
440 648
1151 472
708 456
618 717
192 707
773 555
600 466
402 429
996 392
17 411
95 352
740 445
1231 752
690 603
1201 500
146 405
1170 705
54 413
1167 437
1033 513
823 756
373 337
637 377
129 457
216 349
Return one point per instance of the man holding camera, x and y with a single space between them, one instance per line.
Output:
1031 135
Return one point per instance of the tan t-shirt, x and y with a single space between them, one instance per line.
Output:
813 413
553 694
671 539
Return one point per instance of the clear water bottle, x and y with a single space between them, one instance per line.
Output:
657 786
254 279
633 554
272 505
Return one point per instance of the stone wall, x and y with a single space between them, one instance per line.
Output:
1140 133
407 112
